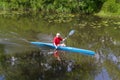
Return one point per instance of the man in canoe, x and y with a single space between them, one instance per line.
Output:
57 42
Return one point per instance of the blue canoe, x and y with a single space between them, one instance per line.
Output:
64 48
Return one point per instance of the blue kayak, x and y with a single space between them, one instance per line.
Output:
64 48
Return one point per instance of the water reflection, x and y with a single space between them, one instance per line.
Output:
38 66
70 66
103 75
13 60
100 35
2 77
42 66
14 45
100 58
113 58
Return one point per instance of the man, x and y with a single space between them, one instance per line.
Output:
57 42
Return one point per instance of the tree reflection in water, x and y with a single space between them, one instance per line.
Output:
38 66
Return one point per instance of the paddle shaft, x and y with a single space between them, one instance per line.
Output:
70 33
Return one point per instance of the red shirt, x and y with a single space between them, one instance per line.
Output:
57 40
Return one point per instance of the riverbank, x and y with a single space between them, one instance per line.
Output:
107 14
60 14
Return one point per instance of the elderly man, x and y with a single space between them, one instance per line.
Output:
57 42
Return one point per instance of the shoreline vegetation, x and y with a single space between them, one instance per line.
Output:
110 8
60 10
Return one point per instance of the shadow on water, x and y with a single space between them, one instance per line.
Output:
23 61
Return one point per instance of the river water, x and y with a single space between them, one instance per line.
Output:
20 60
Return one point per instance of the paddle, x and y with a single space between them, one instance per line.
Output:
70 33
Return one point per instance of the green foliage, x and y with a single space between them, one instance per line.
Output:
55 6
110 8
90 6
58 10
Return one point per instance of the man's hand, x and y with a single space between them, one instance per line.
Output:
64 39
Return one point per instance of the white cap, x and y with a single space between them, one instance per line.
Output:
58 34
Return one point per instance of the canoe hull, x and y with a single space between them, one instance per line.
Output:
64 48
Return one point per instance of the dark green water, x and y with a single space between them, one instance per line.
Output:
93 33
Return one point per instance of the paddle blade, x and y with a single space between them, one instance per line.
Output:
71 32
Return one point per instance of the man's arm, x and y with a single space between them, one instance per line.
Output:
64 39
55 46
